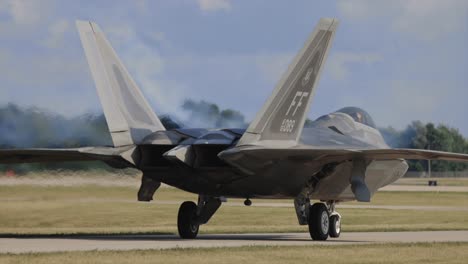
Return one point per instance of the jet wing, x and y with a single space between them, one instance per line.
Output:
115 157
384 154
251 157
306 160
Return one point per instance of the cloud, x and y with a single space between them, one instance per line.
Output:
41 70
230 79
142 6
147 67
56 33
378 49
52 81
431 19
341 62
214 5
359 10
122 32
25 12
405 100
28 21
426 20
157 36
423 43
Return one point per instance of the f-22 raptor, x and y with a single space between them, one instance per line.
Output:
340 157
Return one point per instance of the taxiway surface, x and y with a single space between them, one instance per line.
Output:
20 244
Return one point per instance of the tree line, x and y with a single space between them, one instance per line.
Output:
421 135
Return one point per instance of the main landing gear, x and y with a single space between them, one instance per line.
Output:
191 215
324 221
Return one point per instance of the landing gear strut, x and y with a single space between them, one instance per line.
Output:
191 215
324 221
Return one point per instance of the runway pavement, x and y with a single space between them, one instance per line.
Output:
131 242
423 188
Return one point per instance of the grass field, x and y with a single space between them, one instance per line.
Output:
128 193
388 253
33 209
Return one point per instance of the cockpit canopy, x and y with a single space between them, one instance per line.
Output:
358 115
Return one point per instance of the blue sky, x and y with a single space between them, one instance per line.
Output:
399 60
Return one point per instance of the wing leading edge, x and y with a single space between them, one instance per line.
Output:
115 157
381 154
236 156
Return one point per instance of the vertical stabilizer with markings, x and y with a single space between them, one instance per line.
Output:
128 114
282 117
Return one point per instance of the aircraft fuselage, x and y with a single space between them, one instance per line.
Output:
198 169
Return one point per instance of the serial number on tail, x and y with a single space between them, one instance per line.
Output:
287 125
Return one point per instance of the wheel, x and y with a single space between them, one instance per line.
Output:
187 220
318 221
335 226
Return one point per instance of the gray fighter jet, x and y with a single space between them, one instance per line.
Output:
341 157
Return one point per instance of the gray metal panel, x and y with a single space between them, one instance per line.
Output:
288 108
283 115
128 114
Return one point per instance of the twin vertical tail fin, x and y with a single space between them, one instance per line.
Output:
128 114
282 117
280 121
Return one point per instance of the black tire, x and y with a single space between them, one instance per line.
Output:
335 226
319 222
187 220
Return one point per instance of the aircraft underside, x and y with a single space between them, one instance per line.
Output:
280 181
